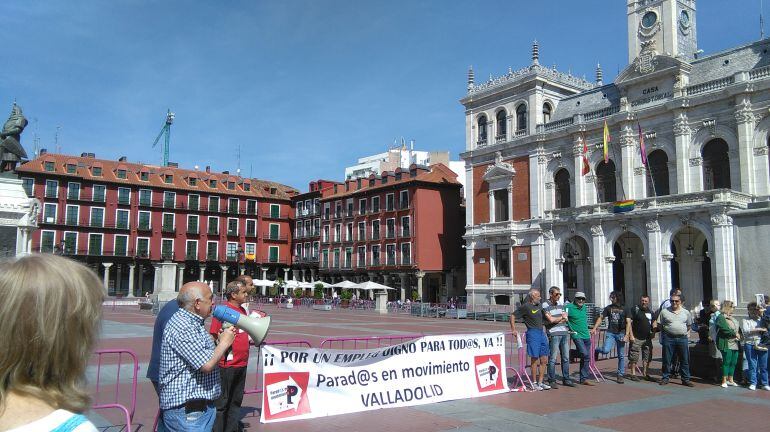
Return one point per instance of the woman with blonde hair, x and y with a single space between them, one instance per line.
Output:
50 309
728 343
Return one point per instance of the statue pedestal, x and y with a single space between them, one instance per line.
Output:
381 303
165 282
19 217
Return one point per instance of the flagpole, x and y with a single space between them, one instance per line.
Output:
614 156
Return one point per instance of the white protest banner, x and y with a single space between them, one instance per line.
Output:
301 383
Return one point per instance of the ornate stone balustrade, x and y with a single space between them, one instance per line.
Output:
710 85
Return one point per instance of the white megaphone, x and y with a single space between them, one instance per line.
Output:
256 327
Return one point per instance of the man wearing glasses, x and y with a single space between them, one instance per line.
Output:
674 322
577 321
558 337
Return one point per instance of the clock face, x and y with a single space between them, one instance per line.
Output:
684 18
649 19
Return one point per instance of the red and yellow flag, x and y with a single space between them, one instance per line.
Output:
586 166
606 142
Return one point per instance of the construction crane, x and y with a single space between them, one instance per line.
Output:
166 130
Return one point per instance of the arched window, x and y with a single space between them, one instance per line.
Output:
657 180
716 165
546 112
521 117
482 124
502 130
605 182
561 186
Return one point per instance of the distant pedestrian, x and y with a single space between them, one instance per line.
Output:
674 323
617 330
640 327
755 353
728 342
577 321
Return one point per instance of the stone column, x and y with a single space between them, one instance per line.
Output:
158 279
628 151
303 272
420 275
286 278
537 173
682 135
131 280
118 279
601 266
313 274
657 281
106 278
223 278
295 274
744 118
403 286
724 257
141 279
179 276
202 273
264 277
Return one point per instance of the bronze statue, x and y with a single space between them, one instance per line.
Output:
11 151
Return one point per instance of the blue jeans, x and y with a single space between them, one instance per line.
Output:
681 346
176 419
757 363
560 343
610 340
584 348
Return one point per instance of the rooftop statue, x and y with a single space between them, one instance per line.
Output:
11 151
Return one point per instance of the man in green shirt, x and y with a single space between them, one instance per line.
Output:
577 321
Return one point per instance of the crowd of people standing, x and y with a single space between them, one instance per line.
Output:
630 332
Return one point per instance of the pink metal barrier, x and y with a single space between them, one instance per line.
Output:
288 343
113 399
366 342
521 369
592 361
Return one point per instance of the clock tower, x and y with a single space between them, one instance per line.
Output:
662 26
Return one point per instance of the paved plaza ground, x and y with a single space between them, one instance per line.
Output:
606 406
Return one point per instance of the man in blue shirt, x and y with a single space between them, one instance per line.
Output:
189 379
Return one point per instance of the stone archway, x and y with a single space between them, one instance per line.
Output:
691 267
576 268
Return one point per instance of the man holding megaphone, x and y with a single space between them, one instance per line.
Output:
232 366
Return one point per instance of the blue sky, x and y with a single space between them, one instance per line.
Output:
305 87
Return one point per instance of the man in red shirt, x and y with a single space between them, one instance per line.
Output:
232 366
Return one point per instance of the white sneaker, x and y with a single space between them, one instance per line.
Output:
545 386
732 384
752 387
536 387
724 385
767 387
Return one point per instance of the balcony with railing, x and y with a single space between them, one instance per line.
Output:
193 230
232 232
213 231
274 236
168 229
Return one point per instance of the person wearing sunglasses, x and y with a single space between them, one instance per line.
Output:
577 321
674 323
558 337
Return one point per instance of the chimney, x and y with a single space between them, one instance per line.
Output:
225 172
43 151
173 165
92 155
122 159
208 169
84 154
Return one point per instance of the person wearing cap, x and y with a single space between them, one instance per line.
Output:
577 321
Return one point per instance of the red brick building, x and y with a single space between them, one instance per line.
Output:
306 241
403 228
125 218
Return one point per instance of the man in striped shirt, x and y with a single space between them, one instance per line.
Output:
189 378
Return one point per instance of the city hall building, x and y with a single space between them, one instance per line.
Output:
680 199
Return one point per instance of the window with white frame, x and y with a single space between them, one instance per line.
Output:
390 228
273 254
124 196
403 199
232 251
121 219
121 245
406 229
250 251
99 193
191 250
502 261
298 251
362 206
338 232
168 222
51 189
362 231
213 227
49 212
375 229
390 202
193 201
73 191
349 231
212 249
47 240
167 249
70 243
232 226
361 257
145 197
97 217
213 203
169 199
406 254
143 247
29 185
348 257
192 224
144 218
251 228
95 244
251 207
375 204
72 217
390 254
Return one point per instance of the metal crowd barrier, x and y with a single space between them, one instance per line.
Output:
115 401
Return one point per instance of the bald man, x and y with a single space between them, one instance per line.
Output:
533 315
164 315
189 380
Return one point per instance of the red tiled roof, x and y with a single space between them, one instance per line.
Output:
180 176
438 174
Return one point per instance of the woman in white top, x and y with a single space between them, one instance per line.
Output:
50 309
753 351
